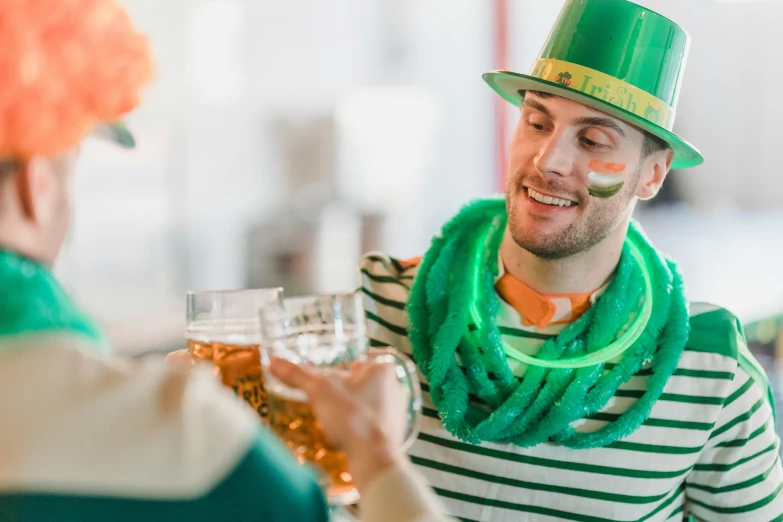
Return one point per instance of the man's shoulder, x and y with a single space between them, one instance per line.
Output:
92 435
379 269
715 330
387 264
180 431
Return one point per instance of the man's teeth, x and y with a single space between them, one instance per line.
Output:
548 200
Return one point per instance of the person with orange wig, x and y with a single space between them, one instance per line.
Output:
86 436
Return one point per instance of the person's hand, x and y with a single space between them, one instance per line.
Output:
178 359
362 413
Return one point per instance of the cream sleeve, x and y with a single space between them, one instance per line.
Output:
401 495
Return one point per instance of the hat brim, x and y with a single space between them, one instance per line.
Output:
508 84
117 133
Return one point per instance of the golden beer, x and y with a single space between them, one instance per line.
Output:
292 419
326 334
239 367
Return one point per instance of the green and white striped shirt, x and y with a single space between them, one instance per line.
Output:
709 448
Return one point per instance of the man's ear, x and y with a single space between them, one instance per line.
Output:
35 187
655 168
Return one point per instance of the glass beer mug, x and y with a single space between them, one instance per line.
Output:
326 333
223 328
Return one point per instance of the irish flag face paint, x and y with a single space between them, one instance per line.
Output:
605 179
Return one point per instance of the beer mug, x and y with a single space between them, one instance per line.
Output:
325 333
223 329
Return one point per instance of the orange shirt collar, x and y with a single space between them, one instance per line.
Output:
540 310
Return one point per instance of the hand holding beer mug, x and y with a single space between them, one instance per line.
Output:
326 335
363 414
223 328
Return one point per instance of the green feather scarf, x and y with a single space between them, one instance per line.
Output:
463 363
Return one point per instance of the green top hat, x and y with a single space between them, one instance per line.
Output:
617 57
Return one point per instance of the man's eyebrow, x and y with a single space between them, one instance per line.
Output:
540 107
598 121
595 121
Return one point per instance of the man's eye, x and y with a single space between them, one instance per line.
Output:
590 144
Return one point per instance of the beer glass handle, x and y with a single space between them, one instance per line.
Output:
406 373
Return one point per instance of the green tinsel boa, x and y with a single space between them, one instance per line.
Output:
542 405
33 302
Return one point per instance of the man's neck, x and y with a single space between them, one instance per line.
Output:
577 274
21 240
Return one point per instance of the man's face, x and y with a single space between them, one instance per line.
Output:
561 149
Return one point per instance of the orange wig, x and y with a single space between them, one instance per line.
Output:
66 66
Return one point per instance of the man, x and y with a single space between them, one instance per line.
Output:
566 377
87 437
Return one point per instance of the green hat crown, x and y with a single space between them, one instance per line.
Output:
617 57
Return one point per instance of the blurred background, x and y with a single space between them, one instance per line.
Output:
283 139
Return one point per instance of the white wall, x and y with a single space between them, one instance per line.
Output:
173 214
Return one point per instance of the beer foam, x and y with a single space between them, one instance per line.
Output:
284 392
319 346
224 331
274 386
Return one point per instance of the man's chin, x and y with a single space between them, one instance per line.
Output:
542 244
534 232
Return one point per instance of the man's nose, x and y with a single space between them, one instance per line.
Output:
556 156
